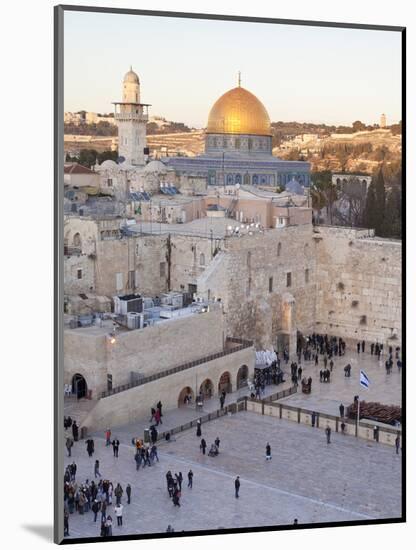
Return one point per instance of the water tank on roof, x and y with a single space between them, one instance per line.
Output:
133 320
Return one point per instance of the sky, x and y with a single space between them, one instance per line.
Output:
304 74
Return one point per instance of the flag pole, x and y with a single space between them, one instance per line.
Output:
357 424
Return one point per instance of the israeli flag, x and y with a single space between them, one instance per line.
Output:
364 380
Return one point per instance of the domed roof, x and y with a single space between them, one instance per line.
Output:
131 76
155 166
238 111
108 164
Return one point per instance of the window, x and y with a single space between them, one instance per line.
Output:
119 281
77 240
279 249
109 182
162 269
131 279
306 275
270 284
288 279
79 273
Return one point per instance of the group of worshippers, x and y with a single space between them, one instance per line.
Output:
319 344
267 371
95 497
146 453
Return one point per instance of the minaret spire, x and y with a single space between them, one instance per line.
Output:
239 79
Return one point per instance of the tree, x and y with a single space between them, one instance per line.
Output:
323 192
369 217
351 203
358 126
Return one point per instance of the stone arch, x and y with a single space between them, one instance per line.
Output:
224 382
183 394
242 376
206 389
79 386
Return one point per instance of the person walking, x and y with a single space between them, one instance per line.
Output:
198 428
268 451
118 491
363 346
69 443
97 469
237 486
96 505
190 478
358 347
341 410
75 430
108 438
115 444
397 444
328 434
66 523
118 509
203 446
221 402
128 493
109 526
217 442
313 419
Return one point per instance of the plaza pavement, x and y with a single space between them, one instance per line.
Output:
326 397
349 479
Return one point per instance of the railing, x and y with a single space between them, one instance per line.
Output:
243 344
232 408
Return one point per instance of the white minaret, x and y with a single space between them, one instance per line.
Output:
131 117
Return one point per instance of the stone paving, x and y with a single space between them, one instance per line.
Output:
326 397
349 479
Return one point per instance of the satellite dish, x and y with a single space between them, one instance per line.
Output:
120 160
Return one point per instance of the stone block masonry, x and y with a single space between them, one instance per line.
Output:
359 291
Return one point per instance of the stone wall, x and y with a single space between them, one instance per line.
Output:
147 351
130 405
359 289
75 284
252 276
143 256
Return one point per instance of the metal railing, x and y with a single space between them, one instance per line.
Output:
243 344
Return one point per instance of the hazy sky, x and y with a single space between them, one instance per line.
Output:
307 74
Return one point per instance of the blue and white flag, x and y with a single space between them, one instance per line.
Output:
364 380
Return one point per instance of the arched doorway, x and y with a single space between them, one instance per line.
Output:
79 386
206 389
242 376
184 395
225 383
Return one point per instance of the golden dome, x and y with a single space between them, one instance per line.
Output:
238 111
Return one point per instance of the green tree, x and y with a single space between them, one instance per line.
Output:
369 217
323 192
358 126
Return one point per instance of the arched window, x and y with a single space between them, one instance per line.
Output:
279 249
77 240
202 259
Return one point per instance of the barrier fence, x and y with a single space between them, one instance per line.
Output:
385 434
